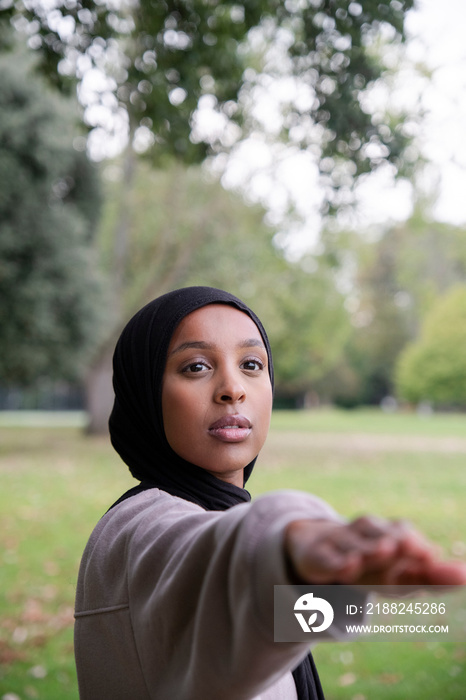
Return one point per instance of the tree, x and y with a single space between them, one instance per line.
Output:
396 278
194 232
49 203
382 321
433 368
164 57
308 327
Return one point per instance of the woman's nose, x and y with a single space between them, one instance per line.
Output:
229 389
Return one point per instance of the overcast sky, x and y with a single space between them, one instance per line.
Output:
438 29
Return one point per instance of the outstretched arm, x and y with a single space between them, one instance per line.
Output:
367 551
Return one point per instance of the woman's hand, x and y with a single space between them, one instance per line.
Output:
367 551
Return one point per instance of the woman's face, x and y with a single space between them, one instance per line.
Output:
216 395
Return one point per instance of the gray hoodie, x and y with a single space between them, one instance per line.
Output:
176 603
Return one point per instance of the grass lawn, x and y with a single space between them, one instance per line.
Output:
57 483
372 421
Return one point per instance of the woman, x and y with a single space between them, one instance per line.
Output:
175 592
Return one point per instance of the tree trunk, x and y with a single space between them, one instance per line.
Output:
98 380
99 393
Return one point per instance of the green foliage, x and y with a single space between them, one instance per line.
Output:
194 232
184 229
382 324
164 56
434 368
430 258
307 325
397 279
48 208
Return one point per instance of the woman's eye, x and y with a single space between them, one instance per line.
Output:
195 368
252 365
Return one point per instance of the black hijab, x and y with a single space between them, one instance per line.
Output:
136 421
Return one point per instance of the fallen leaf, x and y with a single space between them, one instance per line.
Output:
38 671
9 655
20 634
347 679
33 611
390 678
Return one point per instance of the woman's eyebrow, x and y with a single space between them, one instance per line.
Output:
202 345
198 344
252 343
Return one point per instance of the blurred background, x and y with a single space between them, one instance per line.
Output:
308 156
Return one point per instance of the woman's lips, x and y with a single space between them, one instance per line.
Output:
231 428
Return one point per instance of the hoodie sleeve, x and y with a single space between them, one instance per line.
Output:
189 596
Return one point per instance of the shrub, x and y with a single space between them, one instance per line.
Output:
434 367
